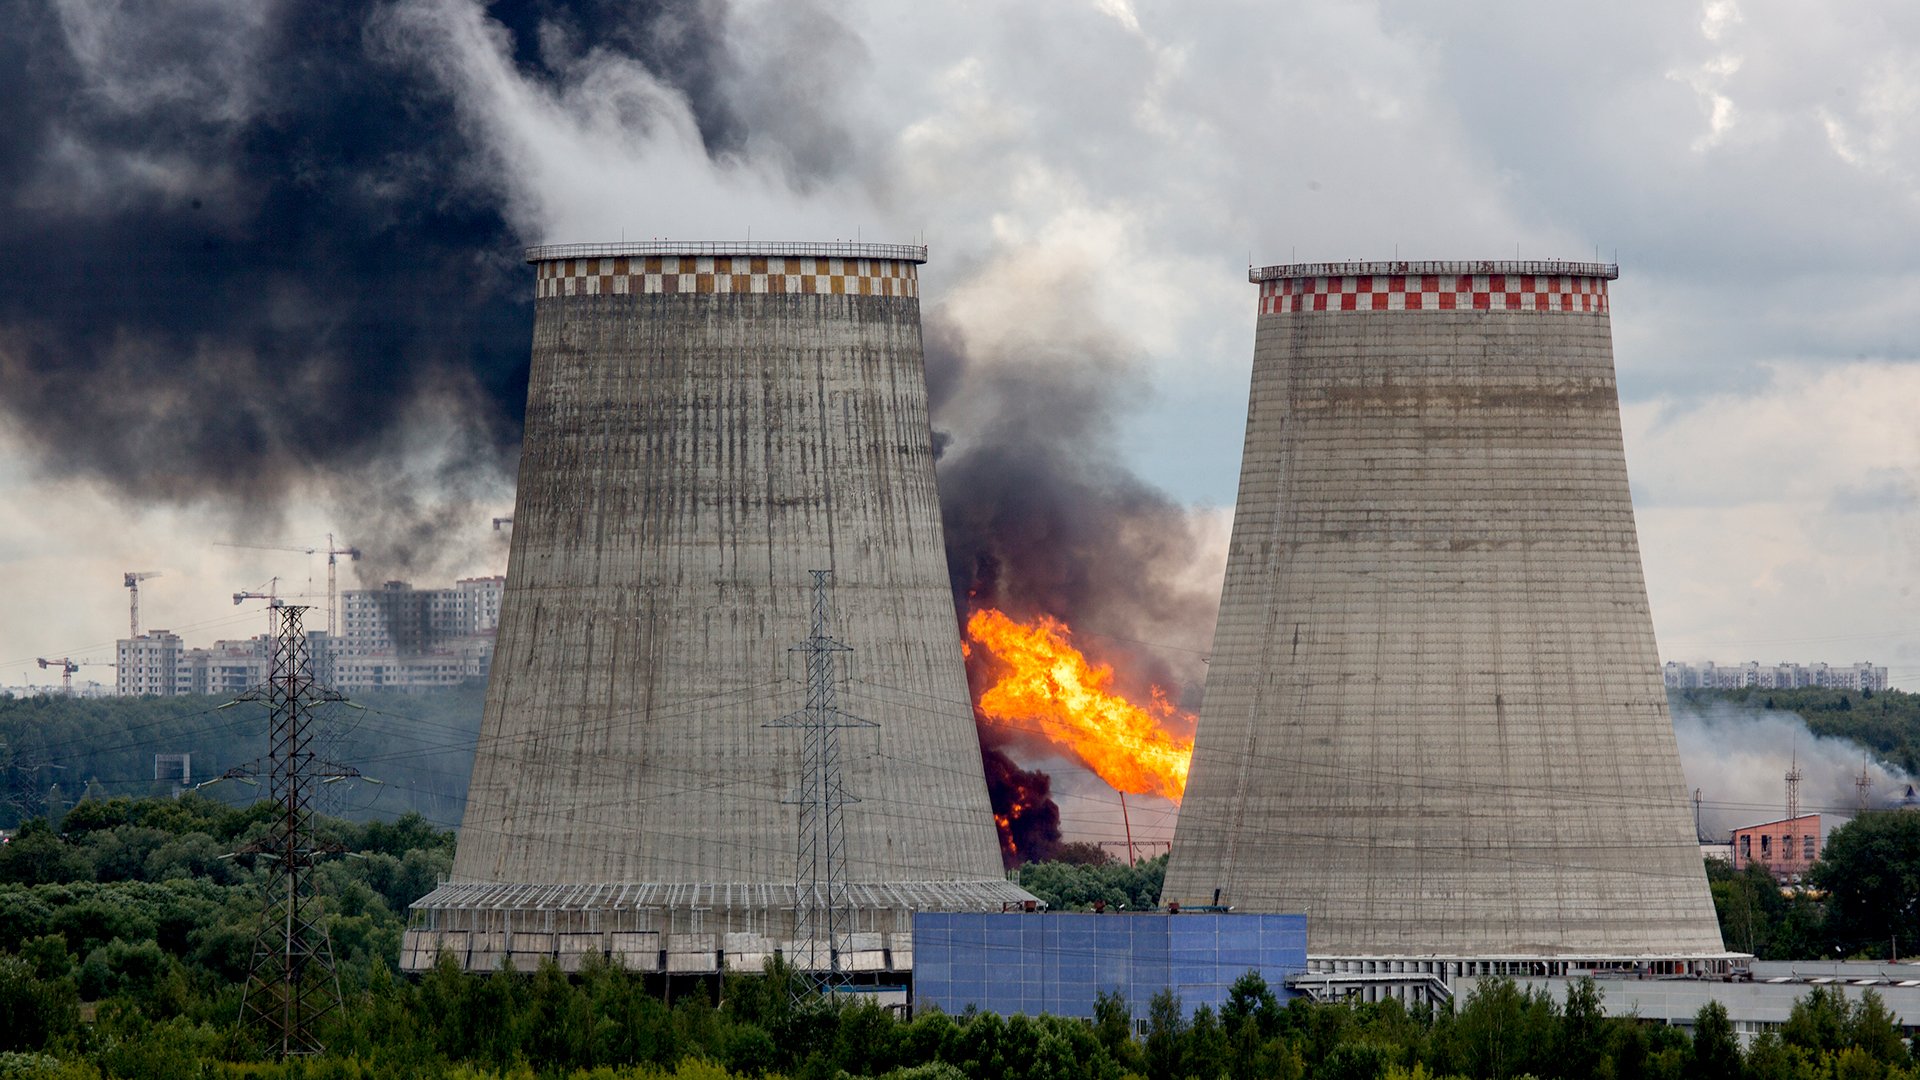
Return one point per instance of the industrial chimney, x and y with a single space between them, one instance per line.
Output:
1434 719
706 424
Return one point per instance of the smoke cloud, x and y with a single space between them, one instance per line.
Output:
1043 516
1738 759
264 252
261 251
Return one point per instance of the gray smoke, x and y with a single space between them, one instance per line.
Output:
1738 758
261 251
1044 517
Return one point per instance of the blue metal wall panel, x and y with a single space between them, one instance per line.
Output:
1057 963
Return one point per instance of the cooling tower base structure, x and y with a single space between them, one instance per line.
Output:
1434 720
706 424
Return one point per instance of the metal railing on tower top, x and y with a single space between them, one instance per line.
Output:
916 253
1609 271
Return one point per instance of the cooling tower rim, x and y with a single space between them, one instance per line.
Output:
1550 267
913 253
1522 957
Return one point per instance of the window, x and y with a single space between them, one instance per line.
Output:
1766 847
1746 847
1811 847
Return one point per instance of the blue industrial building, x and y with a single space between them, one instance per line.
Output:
1057 963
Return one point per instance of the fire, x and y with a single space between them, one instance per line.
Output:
1023 808
1047 683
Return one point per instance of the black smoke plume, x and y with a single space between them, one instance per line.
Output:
247 244
1043 517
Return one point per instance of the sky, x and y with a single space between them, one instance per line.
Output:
1093 178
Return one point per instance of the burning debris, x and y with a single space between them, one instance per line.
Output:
1023 809
1044 686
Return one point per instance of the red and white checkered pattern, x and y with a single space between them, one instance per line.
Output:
626 275
1435 292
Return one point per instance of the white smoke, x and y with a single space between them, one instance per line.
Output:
609 150
1738 757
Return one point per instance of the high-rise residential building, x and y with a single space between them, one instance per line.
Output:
393 638
148 665
1782 676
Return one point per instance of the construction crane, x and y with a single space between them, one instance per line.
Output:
67 668
271 596
333 552
132 580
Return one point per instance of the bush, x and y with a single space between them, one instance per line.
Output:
168 1050
36 856
121 967
1354 1061
33 1010
750 1051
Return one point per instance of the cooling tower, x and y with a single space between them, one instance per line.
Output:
705 425
1434 719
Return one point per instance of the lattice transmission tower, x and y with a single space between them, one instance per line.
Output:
291 982
821 916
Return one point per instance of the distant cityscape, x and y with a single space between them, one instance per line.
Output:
395 637
1781 676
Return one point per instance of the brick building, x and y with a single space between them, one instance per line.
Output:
1787 847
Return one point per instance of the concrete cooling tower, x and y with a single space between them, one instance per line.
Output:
1434 720
705 425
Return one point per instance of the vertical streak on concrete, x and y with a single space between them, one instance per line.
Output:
1434 719
695 443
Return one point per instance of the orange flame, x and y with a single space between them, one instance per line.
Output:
1047 682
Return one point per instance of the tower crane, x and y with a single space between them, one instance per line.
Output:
333 552
271 596
132 580
67 668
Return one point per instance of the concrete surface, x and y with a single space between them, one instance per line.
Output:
1434 719
689 456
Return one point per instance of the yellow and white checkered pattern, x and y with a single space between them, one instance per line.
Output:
630 275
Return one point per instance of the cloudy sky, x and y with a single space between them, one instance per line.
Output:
209 248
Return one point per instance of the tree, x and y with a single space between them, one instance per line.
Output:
1503 1030
37 856
1069 886
1354 1061
1166 1032
1871 874
1819 1022
1716 1053
35 1009
1206 1049
1772 1058
1113 1026
1582 1032
1250 998
1082 853
1872 1029
1756 917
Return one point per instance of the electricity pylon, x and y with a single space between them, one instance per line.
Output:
291 982
821 916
